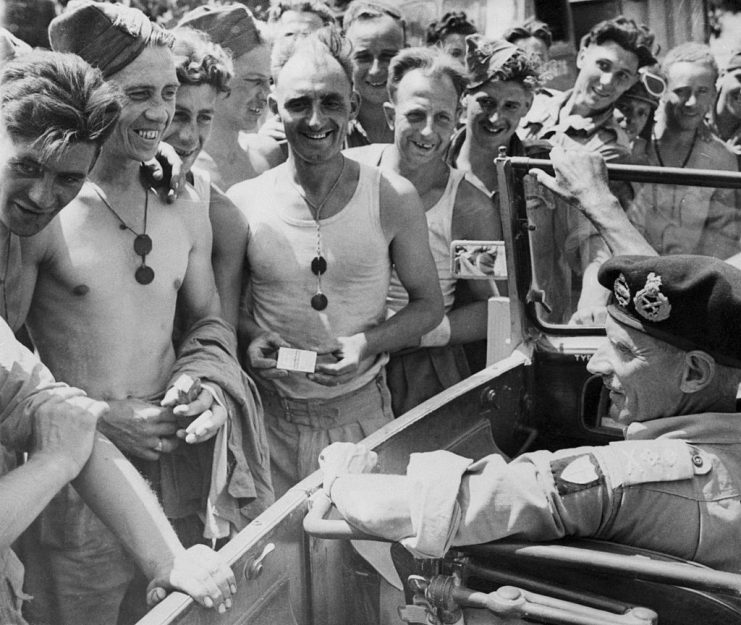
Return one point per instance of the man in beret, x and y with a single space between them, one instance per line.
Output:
234 151
671 363
109 271
55 113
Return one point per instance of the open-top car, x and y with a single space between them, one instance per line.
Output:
534 394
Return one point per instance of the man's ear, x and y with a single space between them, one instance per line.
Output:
698 372
580 57
530 100
389 110
355 101
273 104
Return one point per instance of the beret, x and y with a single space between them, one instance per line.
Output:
734 62
232 26
691 302
485 57
108 36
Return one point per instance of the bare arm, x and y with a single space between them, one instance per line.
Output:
581 180
229 237
118 494
198 290
405 226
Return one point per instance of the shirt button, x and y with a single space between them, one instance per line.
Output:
697 460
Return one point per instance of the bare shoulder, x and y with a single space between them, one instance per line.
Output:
224 213
400 205
264 151
368 154
244 193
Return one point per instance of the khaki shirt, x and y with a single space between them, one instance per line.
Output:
24 383
674 486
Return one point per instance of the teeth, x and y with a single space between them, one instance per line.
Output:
376 84
317 135
424 146
147 134
253 110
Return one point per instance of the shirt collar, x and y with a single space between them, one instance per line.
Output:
708 427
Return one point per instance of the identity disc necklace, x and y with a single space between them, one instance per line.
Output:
142 241
319 263
686 158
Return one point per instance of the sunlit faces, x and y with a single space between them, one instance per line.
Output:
375 42
643 374
729 93
244 106
149 84
533 46
423 116
298 23
606 71
635 116
689 94
315 101
34 190
191 124
493 112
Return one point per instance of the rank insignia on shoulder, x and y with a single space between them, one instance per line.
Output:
576 473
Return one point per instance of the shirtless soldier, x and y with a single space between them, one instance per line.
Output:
43 164
109 271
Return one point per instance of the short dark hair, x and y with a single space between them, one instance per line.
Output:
530 28
360 10
199 61
627 34
432 62
452 23
55 99
317 7
328 40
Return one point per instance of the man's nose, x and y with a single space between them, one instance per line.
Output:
317 116
607 79
377 68
599 363
42 192
159 112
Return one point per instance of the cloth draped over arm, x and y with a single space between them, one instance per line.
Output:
227 478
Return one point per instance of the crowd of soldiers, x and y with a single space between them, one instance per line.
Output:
228 246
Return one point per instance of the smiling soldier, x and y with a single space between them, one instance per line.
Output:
108 271
425 86
568 251
324 232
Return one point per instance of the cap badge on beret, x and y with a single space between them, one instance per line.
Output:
621 290
650 302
